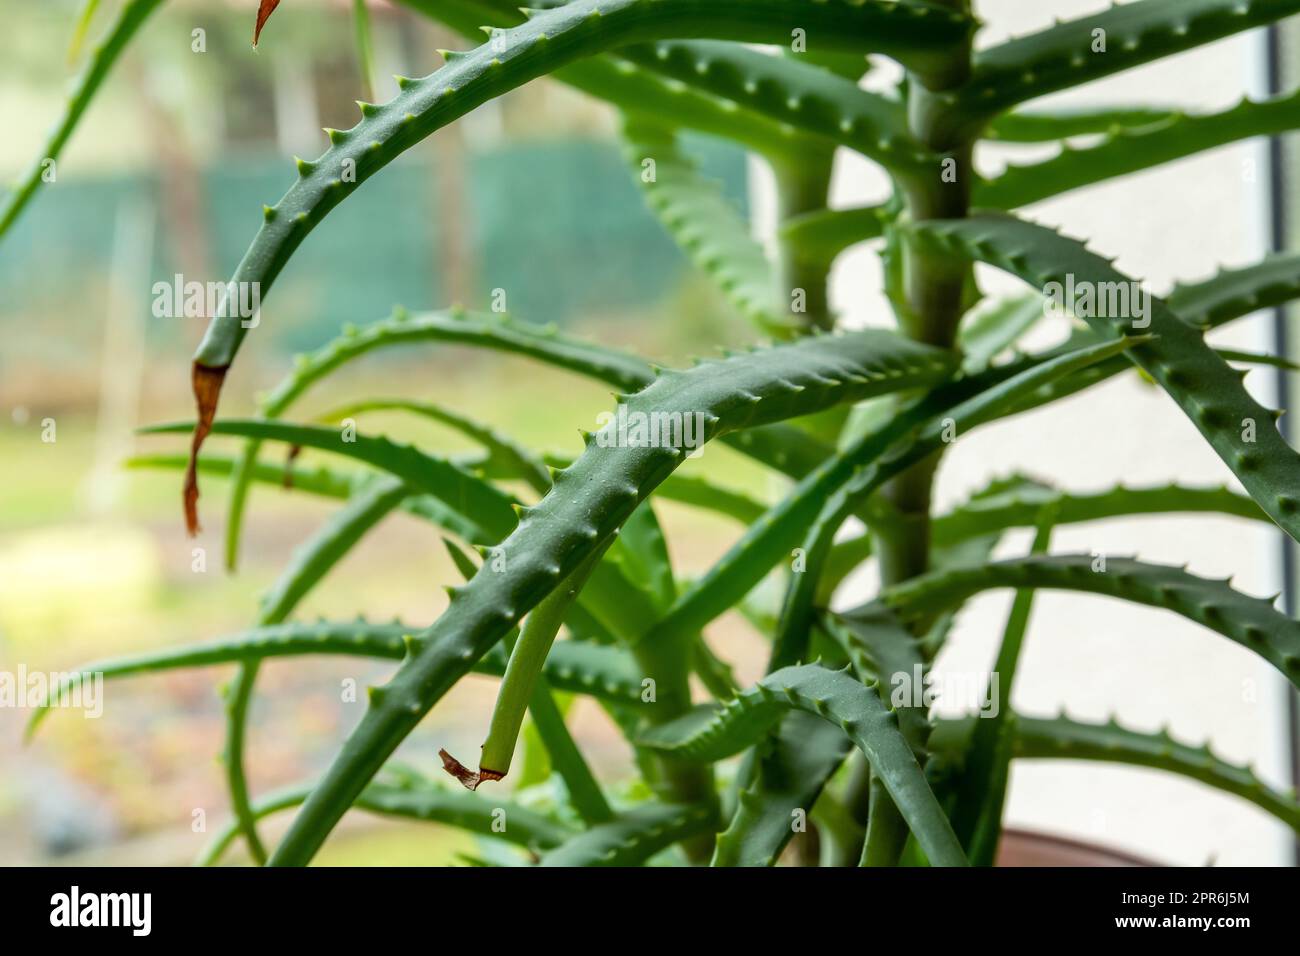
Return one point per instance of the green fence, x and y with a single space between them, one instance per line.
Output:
560 226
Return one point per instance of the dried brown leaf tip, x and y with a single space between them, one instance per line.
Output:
264 12
290 458
470 779
207 389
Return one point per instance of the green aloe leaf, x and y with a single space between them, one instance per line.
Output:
312 479
305 570
784 774
880 649
914 33
510 454
522 685
1134 149
631 88
793 635
1254 623
707 226
829 232
981 792
699 492
1068 54
84 19
623 603
795 762
779 446
728 68
792 92
312 561
724 89
561 752
291 476
989 331
550 39
497 332
1044 126
641 552
694 490
1237 292
631 838
1148 141
488 512
1020 507
554 537
458 808
583 789
960 548
129 20
1063 738
364 43
711 734
1209 391
575 667
858 471
972 550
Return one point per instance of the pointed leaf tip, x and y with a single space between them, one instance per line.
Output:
207 389
264 11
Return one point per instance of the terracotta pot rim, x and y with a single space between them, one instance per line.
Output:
1048 840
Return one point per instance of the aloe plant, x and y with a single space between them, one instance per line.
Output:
576 592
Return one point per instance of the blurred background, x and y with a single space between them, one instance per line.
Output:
529 194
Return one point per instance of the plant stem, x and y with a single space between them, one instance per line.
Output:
933 287
667 663
584 791
803 187
802 284
523 673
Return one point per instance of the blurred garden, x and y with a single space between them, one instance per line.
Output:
167 175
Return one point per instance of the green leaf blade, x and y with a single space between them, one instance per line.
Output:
129 21
1254 623
1070 54
631 838
554 537
839 699
1209 391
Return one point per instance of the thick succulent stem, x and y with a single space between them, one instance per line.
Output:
584 790
668 663
803 187
932 291
931 306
